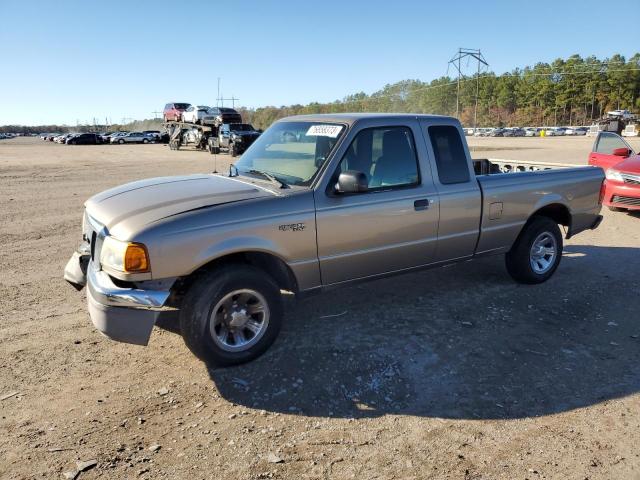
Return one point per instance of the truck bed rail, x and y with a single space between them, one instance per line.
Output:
489 166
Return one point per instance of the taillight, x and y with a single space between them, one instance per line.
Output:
602 189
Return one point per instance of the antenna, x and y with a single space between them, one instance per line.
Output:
468 53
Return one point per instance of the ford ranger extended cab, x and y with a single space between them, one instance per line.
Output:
316 202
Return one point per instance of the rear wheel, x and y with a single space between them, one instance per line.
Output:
536 254
144 140
120 142
231 315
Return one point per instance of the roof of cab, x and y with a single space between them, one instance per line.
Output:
351 118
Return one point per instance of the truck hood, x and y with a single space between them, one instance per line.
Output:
126 209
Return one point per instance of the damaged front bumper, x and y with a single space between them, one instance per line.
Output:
122 314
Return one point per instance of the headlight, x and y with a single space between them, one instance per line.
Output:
124 256
612 174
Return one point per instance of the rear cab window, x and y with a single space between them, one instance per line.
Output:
450 157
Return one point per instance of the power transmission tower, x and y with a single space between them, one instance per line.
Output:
456 61
156 115
232 99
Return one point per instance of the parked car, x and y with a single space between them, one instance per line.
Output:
173 111
622 169
357 197
62 139
156 134
196 114
84 139
109 138
531 132
219 115
482 132
513 132
106 137
133 137
497 132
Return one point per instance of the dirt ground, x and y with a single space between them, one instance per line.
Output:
450 373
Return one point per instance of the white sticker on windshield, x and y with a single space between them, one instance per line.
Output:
324 130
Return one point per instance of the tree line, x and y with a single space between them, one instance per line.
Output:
572 91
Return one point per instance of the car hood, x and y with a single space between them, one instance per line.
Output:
630 165
127 209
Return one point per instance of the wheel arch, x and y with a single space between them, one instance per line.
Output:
271 264
558 212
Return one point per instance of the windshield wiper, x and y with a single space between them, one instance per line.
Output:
270 177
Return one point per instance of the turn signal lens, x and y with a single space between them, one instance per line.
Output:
136 259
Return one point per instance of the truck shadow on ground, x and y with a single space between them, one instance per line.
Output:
461 342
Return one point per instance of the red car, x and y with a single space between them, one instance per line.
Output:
622 169
173 111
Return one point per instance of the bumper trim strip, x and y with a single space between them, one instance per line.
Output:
104 291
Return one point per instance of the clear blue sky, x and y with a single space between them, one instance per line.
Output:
70 60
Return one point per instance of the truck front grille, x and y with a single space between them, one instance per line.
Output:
632 201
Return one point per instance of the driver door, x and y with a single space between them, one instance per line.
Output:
394 224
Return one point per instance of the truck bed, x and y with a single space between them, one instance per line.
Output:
509 200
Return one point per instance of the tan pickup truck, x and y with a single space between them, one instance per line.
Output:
316 202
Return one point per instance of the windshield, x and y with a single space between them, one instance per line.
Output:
181 106
292 151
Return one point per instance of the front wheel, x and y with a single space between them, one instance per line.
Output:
536 254
145 140
231 315
121 142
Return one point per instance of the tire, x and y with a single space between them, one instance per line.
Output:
529 267
208 293
121 142
617 209
144 140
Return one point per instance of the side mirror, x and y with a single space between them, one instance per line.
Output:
621 152
352 181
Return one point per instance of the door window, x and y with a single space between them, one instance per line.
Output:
386 155
608 142
449 154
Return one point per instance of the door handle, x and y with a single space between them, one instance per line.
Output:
421 204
